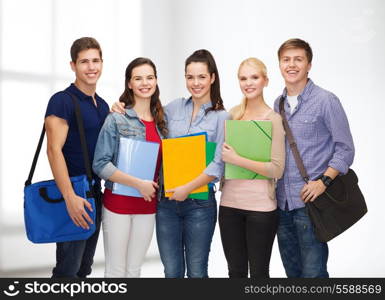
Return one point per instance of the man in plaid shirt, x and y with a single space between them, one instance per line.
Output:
321 132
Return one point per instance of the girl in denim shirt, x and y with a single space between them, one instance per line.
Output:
128 222
185 226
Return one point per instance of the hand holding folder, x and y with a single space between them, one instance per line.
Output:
137 158
250 139
184 159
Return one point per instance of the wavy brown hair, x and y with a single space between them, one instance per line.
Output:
204 56
155 105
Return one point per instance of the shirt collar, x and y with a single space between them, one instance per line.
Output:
131 113
75 90
204 106
304 95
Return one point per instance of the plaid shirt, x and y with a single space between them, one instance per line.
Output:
321 130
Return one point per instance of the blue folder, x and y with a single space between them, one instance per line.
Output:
136 158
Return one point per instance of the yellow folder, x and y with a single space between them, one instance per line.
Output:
184 159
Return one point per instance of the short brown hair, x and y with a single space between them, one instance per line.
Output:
296 43
84 43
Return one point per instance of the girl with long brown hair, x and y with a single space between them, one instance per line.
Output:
128 222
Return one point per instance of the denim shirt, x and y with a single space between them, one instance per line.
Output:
178 114
321 130
115 126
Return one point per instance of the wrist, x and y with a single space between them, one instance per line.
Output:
326 180
237 160
137 183
186 188
68 194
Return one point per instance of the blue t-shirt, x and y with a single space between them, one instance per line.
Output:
61 105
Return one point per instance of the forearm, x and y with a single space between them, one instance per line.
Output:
199 181
126 179
313 189
57 130
255 166
75 204
60 172
331 172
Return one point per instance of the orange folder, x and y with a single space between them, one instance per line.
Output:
184 159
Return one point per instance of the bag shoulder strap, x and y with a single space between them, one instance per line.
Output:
79 121
35 158
292 143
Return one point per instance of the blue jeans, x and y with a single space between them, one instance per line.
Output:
301 253
184 231
75 258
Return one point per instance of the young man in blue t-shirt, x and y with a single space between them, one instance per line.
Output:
75 258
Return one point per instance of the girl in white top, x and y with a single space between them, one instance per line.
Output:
248 218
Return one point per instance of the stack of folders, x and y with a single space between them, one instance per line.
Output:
185 158
250 139
137 158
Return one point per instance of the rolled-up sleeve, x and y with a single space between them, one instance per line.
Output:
216 167
104 151
277 164
338 126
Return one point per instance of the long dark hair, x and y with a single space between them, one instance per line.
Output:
155 105
204 56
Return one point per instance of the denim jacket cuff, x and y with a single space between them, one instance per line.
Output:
213 172
107 171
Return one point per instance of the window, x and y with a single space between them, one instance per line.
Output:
35 40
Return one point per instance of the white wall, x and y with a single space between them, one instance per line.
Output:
348 41
34 63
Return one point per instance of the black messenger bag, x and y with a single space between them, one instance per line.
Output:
340 206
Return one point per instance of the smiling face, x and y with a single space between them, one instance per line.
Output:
88 68
199 81
294 66
143 82
251 81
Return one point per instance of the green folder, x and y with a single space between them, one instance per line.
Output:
210 153
250 139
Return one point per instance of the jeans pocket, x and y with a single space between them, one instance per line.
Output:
202 203
306 232
163 200
211 201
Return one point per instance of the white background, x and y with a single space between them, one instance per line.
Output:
348 41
